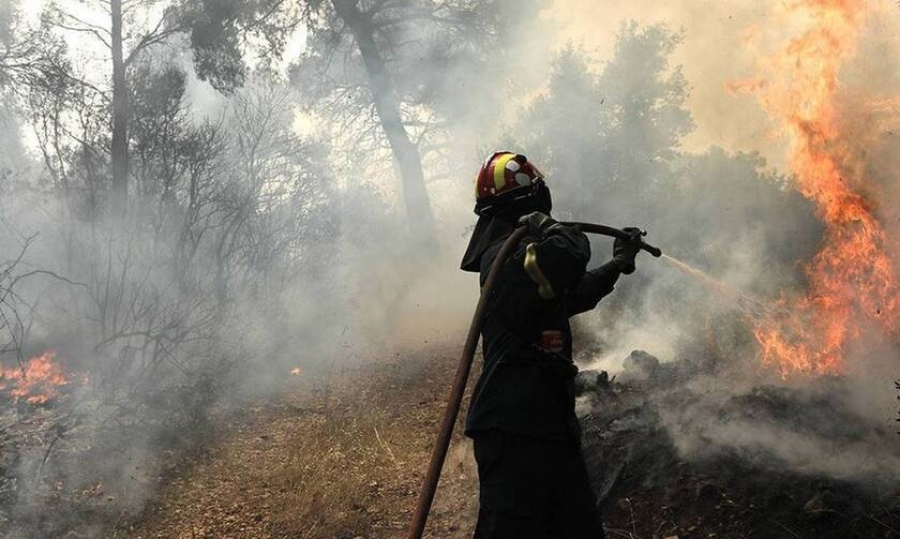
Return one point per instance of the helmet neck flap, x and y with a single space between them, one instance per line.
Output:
497 221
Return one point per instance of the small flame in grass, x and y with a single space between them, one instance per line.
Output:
852 279
296 371
37 382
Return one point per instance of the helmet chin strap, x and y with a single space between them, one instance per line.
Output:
537 198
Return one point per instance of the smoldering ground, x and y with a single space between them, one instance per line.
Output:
252 250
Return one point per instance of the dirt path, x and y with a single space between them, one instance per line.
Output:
335 458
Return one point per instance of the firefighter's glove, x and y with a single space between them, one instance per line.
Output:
538 223
625 250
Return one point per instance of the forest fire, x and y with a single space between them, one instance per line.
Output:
37 382
851 279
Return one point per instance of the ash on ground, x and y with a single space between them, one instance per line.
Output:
676 451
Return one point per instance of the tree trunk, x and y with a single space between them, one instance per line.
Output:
119 149
418 208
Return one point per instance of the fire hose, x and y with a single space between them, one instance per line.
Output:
426 496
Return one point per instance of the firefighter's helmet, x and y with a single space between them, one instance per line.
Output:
504 177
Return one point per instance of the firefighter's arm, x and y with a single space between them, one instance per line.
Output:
555 258
594 286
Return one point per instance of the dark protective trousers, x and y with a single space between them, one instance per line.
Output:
533 489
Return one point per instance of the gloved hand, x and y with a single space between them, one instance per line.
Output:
537 223
625 251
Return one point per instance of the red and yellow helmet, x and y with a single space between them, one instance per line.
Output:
503 177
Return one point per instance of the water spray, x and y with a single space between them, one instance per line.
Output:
426 496
747 304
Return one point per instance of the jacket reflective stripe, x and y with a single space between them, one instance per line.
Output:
545 289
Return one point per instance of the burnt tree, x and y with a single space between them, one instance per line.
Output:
119 144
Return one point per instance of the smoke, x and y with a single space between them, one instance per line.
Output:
712 189
810 428
758 247
254 249
712 55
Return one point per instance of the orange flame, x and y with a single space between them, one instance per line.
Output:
37 382
851 279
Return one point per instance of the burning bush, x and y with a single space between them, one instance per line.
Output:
852 279
37 381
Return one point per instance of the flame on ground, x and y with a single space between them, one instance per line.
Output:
851 279
37 382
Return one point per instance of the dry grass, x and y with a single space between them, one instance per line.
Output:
338 467
338 457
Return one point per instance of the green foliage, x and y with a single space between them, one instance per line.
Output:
613 135
567 130
221 32
215 40
722 203
610 143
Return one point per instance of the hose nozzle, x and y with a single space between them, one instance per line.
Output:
613 232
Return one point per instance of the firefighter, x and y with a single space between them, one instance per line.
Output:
527 440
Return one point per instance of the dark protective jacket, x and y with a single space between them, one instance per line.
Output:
527 381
